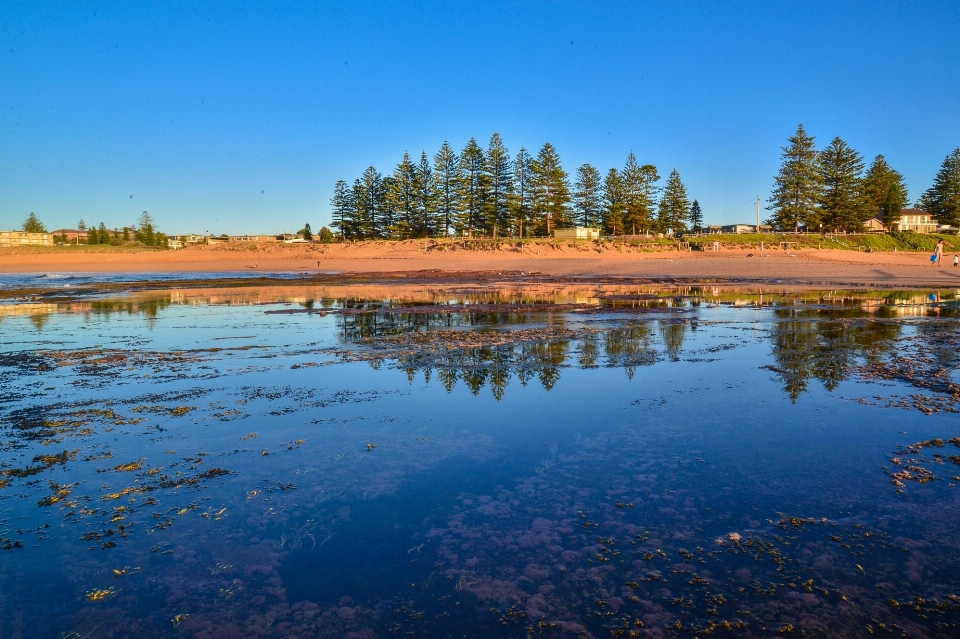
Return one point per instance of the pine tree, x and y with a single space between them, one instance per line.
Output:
33 224
342 213
695 217
425 210
639 194
553 190
498 171
797 186
103 234
93 237
446 184
674 205
521 201
614 202
472 189
402 200
942 200
885 191
842 204
586 196
145 233
374 215
81 225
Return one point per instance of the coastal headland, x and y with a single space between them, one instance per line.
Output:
596 261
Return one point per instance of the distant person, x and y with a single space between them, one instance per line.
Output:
956 261
939 252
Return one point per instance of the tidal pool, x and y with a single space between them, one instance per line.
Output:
544 462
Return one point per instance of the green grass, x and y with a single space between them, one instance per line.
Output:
901 241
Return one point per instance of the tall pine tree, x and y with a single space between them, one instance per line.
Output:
498 179
375 215
472 189
446 187
426 213
587 196
522 197
402 200
639 193
696 217
885 191
797 186
614 204
674 205
942 199
550 180
342 210
842 204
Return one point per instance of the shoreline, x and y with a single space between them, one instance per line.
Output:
538 263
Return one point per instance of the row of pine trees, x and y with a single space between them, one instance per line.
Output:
489 193
829 189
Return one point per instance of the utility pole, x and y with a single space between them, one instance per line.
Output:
758 214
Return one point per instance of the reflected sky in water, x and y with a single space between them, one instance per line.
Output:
621 462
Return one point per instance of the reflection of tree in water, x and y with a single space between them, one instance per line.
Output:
672 333
39 320
626 347
825 344
629 347
373 319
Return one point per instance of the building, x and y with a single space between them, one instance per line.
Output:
738 228
175 244
579 233
714 229
875 225
915 220
22 238
253 238
74 236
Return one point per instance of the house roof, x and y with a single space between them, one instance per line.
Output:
913 212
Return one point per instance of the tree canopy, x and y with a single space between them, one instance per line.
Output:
33 224
489 193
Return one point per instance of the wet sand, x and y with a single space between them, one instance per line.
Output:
808 267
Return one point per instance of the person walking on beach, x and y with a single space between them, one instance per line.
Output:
939 252
956 261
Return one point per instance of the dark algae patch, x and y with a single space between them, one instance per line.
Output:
526 462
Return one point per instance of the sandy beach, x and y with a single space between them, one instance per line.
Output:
808 267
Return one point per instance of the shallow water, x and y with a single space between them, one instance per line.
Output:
619 463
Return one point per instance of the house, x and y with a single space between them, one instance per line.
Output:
578 233
915 220
22 238
738 228
175 244
875 225
74 236
253 238
714 229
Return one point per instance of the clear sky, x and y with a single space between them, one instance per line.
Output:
234 117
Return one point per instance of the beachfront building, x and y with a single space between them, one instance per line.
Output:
253 238
714 229
578 233
73 236
915 220
175 244
738 228
22 238
875 225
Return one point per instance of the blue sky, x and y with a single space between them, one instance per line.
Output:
239 117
